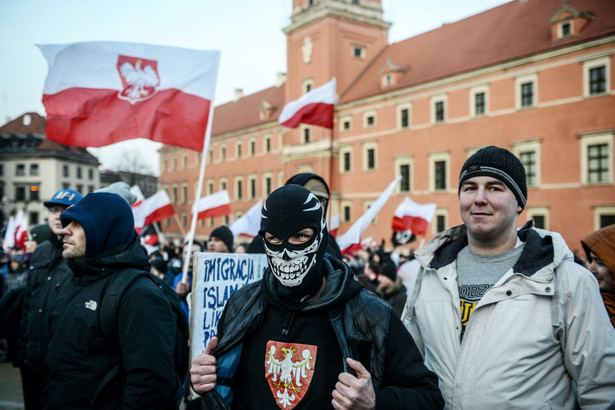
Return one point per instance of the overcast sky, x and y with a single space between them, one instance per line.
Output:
248 32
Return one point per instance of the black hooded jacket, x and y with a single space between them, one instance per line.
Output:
365 328
80 355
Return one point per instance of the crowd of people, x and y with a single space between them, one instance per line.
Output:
484 315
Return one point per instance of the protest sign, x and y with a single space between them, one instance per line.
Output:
216 277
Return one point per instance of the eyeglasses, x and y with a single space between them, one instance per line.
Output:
54 210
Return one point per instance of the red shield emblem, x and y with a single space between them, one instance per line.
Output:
289 368
140 78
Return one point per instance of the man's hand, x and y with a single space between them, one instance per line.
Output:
203 369
182 289
354 392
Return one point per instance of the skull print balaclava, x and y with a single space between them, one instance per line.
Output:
296 267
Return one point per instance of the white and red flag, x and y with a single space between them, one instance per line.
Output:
100 93
212 206
353 235
16 232
315 107
249 223
411 216
333 225
136 191
153 209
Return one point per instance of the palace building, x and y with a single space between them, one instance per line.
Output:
534 76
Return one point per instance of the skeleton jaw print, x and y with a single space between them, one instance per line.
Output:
291 266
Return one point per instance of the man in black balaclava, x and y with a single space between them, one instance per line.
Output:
322 340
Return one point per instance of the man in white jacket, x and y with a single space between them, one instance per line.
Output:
504 316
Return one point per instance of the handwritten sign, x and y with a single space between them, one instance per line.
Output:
217 276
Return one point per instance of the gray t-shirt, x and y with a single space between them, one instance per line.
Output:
476 274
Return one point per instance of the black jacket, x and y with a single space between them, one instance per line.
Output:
80 356
366 328
48 274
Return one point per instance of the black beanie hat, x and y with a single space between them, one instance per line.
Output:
388 269
40 233
498 163
225 235
106 220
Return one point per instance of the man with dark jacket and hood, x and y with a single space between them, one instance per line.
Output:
308 335
100 244
48 274
317 185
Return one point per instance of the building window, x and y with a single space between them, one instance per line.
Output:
267 184
403 167
596 75
223 153
528 159
540 216
597 80
252 147
1 170
358 51
369 119
403 116
65 185
346 160
252 186
438 169
440 221
184 161
478 103
307 85
33 218
528 153
565 29
306 135
267 144
238 188
90 188
210 156
65 172
33 169
238 149
603 216
223 184
345 123
174 164
20 170
90 174
210 187
184 219
20 193
346 211
439 109
79 175
526 91
597 158
79 188
369 156
184 198
174 194
34 192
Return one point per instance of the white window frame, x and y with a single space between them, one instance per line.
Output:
223 184
346 118
527 146
367 146
436 157
236 180
530 78
252 178
366 115
363 51
252 143
560 28
307 83
343 205
400 107
473 92
266 138
265 176
209 186
595 139
587 66
238 150
434 221
404 160
533 211
599 211
342 152
436 99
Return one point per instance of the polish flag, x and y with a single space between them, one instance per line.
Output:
16 232
138 210
353 235
136 191
153 209
212 206
100 93
410 216
314 107
334 224
249 223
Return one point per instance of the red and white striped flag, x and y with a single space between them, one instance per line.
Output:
333 225
410 216
249 223
100 93
315 107
353 235
212 206
153 209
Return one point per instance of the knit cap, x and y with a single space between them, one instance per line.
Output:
498 163
40 233
225 235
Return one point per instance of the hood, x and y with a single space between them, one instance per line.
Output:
544 250
602 243
301 179
339 287
90 269
107 221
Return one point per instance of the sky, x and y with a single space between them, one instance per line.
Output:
248 33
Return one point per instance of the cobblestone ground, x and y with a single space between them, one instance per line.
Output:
10 388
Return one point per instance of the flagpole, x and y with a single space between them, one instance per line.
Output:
199 190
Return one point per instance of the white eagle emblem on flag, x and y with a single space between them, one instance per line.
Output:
140 78
289 368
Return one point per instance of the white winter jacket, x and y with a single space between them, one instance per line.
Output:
520 349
